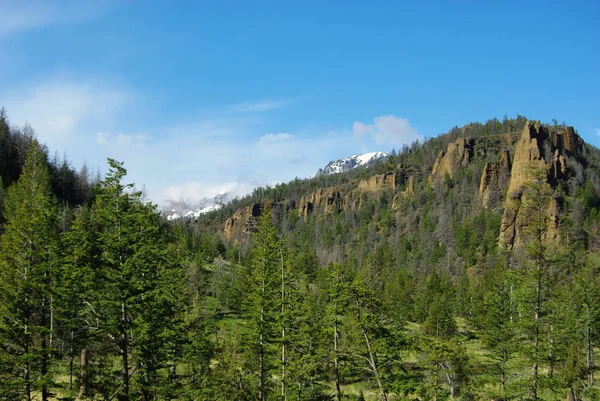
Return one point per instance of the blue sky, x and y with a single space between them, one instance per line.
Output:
202 97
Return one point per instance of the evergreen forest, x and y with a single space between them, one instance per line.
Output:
423 277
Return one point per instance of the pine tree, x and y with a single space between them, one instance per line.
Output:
263 307
536 274
337 285
75 291
374 343
447 368
303 320
141 283
499 324
28 253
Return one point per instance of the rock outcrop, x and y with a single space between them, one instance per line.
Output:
329 200
457 154
305 207
568 141
243 221
493 179
530 156
409 191
379 182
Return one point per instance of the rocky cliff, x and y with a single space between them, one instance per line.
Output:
537 150
508 160
493 179
243 222
379 182
458 154
328 200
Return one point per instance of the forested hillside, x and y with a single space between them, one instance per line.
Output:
465 267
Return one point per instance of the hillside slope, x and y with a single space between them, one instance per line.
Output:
429 194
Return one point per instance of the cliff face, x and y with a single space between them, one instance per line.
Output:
329 200
335 199
529 156
243 222
493 178
379 182
458 154
409 192
501 185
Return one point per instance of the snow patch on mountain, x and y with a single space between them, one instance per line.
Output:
174 210
350 163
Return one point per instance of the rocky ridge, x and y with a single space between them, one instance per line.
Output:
508 162
541 150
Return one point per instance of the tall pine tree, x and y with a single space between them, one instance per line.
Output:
28 253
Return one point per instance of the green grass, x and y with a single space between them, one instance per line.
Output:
485 381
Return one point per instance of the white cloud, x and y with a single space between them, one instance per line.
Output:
256 107
63 110
183 159
193 191
598 131
387 130
121 141
272 138
102 138
24 15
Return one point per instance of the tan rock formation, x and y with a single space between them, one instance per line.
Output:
329 200
558 168
243 221
379 182
529 156
457 155
305 207
568 141
492 177
409 192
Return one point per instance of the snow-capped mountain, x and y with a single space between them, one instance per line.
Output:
174 209
350 163
183 209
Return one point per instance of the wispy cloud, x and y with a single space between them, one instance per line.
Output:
598 131
271 138
193 191
121 141
260 106
387 130
190 158
62 111
24 15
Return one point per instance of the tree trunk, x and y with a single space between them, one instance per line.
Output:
551 355
502 378
71 357
590 351
336 362
536 340
373 363
44 348
83 372
283 322
125 351
261 373
27 368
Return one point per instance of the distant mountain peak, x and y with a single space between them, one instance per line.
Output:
350 163
174 210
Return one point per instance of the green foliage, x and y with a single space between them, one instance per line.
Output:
447 370
396 295
28 271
